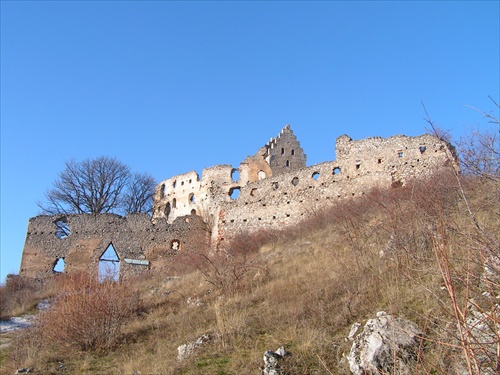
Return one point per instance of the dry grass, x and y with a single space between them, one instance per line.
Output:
19 296
412 251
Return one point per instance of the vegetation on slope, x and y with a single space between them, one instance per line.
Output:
418 252
429 252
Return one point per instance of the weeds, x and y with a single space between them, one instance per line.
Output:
86 316
428 251
18 296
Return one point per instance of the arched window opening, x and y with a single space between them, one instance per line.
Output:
400 154
295 181
282 151
175 183
109 265
336 170
315 176
293 152
162 191
422 149
193 212
234 193
191 198
174 203
62 228
275 185
235 175
287 163
261 175
167 210
59 265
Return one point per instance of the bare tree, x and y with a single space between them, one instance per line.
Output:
139 194
480 150
96 186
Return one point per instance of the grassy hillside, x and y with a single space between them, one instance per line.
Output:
418 252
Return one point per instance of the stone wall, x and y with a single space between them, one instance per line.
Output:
139 244
280 195
271 189
284 153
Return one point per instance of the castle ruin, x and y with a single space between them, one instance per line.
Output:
271 189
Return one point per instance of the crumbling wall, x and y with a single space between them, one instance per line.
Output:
399 157
286 199
264 192
276 197
140 245
187 194
284 153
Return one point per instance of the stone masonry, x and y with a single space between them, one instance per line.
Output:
271 189
139 244
276 189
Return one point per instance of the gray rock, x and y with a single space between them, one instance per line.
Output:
483 331
185 350
23 370
387 345
272 362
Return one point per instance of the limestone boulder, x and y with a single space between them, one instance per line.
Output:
272 362
387 345
185 350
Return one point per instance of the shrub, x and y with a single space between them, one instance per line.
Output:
17 296
86 314
228 269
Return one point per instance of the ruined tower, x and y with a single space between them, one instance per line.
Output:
284 153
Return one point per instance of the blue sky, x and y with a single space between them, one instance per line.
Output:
170 87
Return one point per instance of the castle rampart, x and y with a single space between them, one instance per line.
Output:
271 189
81 240
277 197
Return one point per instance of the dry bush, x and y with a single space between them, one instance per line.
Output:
468 257
228 270
480 148
466 249
18 295
427 250
86 315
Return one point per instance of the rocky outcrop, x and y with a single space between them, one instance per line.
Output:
185 350
272 361
387 345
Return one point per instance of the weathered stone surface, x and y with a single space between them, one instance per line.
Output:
133 237
185 350
275 187
274 195
24 370
483 333
387 345
272 365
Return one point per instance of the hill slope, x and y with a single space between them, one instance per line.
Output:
418 251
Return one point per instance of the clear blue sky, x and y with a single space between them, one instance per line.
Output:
170 87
